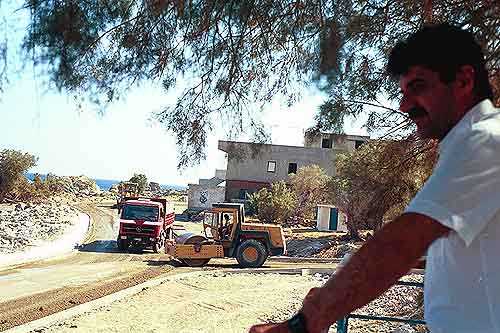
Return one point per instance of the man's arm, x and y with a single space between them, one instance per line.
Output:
376 266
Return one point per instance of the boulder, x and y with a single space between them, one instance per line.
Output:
405 329
21 206
154 186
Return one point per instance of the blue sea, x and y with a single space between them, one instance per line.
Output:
105 184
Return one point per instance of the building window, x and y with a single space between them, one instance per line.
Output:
358 143
292 168
326 143
243 194
271 166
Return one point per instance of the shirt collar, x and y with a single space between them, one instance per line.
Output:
474 114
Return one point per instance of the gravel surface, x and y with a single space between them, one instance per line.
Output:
223 302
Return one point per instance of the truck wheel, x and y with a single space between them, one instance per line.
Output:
122 244
251 253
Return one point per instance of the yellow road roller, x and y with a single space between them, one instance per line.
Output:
227 235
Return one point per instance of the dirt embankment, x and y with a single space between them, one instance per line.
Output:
24 225
315 244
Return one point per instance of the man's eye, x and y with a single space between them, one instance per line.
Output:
417 87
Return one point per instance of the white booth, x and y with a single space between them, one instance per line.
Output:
330 218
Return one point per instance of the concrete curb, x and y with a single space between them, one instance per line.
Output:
305 259
107 300
66 244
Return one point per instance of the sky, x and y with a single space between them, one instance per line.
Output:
124 140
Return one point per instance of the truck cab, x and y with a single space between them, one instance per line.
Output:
145 223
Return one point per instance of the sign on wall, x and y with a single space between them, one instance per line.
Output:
203 196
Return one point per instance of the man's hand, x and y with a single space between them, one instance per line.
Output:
270 328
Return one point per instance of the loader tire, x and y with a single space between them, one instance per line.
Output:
251 253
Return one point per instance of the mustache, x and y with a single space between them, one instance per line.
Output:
416 112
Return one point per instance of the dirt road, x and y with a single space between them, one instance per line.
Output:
33 291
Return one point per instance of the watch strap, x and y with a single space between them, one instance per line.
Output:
297 324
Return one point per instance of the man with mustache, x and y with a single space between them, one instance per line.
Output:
455 217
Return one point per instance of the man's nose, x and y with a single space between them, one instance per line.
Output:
406 104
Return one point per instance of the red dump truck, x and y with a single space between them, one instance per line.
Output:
146 223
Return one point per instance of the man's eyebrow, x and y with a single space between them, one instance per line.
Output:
414 82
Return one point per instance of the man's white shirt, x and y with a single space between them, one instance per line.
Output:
462 278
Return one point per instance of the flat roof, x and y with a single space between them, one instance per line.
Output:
259 144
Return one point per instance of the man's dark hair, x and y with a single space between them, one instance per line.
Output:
444 49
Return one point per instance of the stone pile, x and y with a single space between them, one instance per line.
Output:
338 250
156 192
164 193
25 225
80 186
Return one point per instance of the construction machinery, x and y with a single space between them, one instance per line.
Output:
126 190
145 223
227 235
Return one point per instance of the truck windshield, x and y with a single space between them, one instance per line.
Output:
137 212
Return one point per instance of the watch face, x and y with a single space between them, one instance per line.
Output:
297 324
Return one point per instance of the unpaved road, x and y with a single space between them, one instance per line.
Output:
32 291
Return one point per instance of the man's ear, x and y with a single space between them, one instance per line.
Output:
464 80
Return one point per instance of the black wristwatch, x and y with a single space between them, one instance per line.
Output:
297 324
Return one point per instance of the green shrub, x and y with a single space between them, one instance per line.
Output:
140 179
13 165
54 184
310 185
275 205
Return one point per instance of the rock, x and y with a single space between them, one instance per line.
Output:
154 187
405 329
114 188
21 206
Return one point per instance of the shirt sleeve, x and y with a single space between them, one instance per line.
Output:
463 192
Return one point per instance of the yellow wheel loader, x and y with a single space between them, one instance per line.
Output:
227 235
126 191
